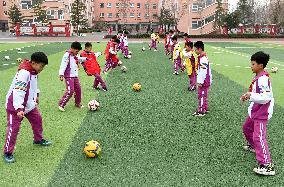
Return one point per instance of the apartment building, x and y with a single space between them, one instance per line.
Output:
3 15
133 14
194 16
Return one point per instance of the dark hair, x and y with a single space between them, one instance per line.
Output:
260 58
166 32
185 34
88 44
171 31
199 44
126 32
175 38
76 45
114 37
120 31
39 58
117 40
189 44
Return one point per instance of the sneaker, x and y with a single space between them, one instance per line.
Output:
249 148
104 89
199 114
9 158
175 73
42 142
207 112
265 169
61 108
79 106
155 50
96 88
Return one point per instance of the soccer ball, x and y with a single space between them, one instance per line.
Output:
123 69
137 87
7 57
129 56
119 63
93 105
19 60
19 49
274 69
92 149
130 53
143 49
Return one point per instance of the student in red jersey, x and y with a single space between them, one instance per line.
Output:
92 66
112 58
22 101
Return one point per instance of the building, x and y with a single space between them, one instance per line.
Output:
134 15
58 11
194 16
3 15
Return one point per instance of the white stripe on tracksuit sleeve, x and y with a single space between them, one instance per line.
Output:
265 94
18 94
202 70
64 63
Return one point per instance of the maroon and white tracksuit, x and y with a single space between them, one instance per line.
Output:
260 111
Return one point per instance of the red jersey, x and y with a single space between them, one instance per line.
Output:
91 66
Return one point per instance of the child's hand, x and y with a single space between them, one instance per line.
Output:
37 101
245 97
21 114
199 85
61 77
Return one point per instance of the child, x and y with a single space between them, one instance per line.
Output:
125 49
120 37
112 58
260 111
204 79
191 65
22 101
177 56
186 38
92 67
153 42
69 71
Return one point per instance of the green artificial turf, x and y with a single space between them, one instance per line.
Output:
148 138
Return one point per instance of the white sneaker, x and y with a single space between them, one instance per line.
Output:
81 106
249 148
265 169
61 108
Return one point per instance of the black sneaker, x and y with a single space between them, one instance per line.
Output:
104 89
42 142
199 114
9 158
265 169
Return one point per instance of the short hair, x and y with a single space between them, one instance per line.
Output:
76 45
189 44
117 40
199 44
174 38
114 37
120 31
166 32
88 44
171 31
126 32
260 58
185 34
39 58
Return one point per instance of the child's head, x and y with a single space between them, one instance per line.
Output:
171 32
120 32
114 37
174 39
38 61
88 47
199 47
259 61
126 32
188 46
185 35
116 41
75 48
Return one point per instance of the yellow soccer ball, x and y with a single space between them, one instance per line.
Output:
137 87
19 60
92 149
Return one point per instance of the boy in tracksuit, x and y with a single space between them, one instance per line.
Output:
92 66
125 49
260 111
204 79
69 72
191 65
22 101
111 56
177 57
153 42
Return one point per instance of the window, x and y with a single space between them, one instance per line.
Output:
147 6
196 24
4 3
5 13
117 15
124 15
131 5
26 5
60 14
138 5
124 5
50 14
209 2
102 15
139 15
146 15
209 19
131 15
154 6
109 15
109 5
195 7
117 5
102 5
155 15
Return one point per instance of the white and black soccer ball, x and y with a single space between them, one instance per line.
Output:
143 49
129 56
93 105
274 69
7 57
130 52
123 69
19 49
119 63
